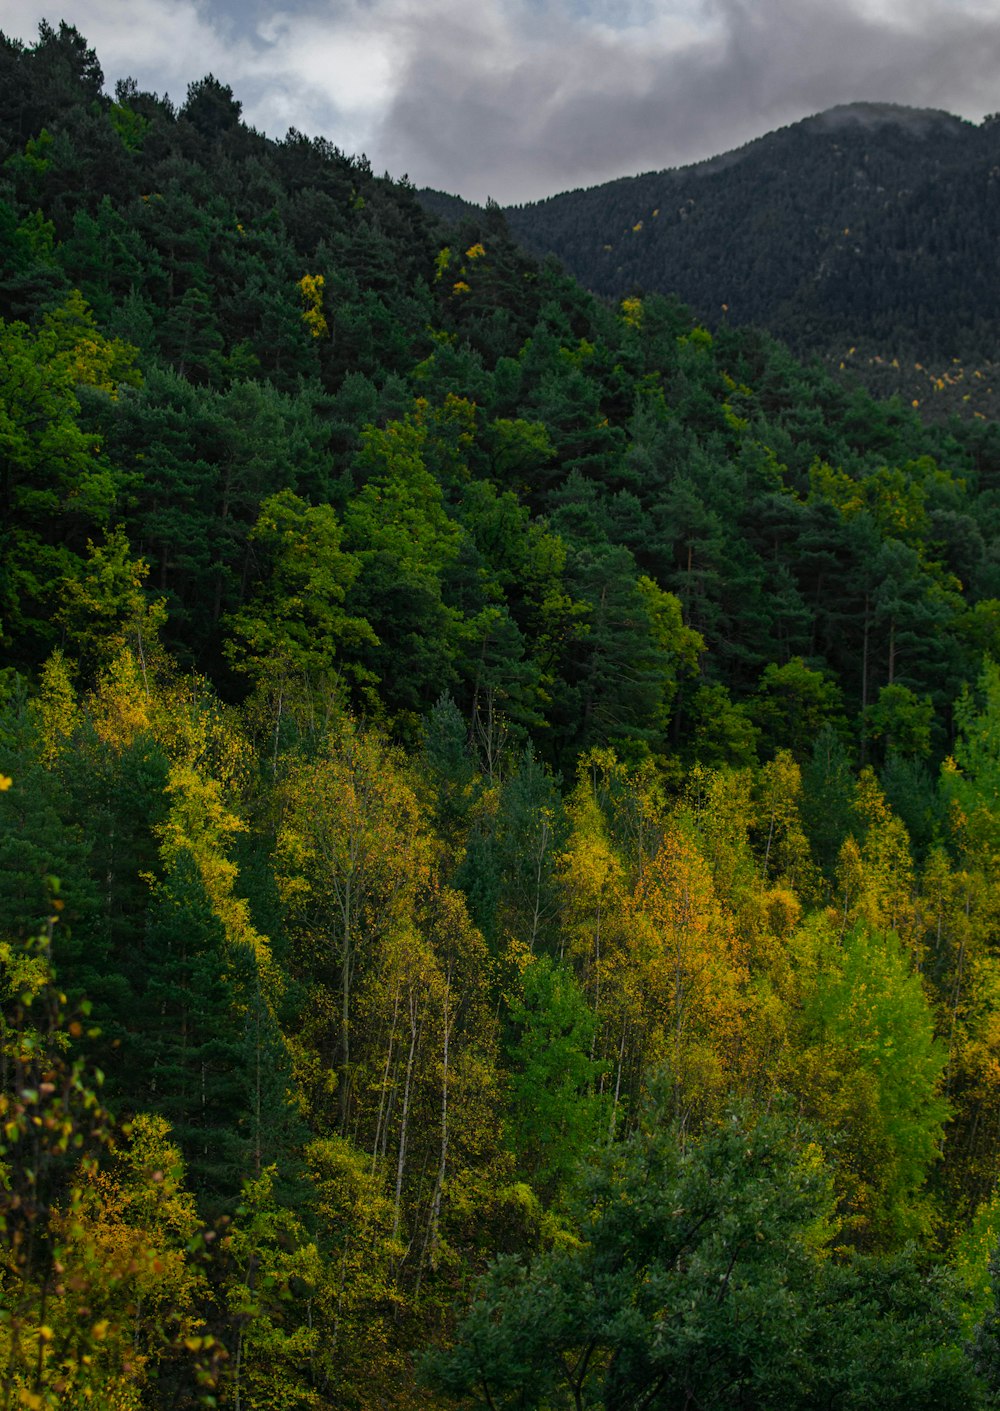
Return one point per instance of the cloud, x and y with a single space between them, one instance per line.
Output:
165 44
331 76
522 98
327 69
583 103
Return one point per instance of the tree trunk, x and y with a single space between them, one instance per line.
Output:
405 1116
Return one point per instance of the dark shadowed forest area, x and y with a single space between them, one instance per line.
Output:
863 235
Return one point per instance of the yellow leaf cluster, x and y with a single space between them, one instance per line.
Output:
632 312
311 289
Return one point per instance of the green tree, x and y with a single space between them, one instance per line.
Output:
902 720
793 705
399 528
986 1345
295 635
556 1111
55 486
270 1293
699 1277
868 1067
106 609
183 1055
827 797
970 780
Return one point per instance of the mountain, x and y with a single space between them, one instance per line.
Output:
867 217
869 224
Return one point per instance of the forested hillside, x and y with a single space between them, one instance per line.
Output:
865 234
499 813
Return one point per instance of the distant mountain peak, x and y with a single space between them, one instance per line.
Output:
869 223
875 115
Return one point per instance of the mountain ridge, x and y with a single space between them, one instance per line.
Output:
862 113
869 224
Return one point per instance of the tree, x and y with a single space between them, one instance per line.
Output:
98 1285
986 1346
685 1283
105 608
784 845
687 969
55 485
211 107
555 1110
182 1051
827 797
876 878
294 635
794 703
621 670
527 833
594 926
141 1229
351 851
971 780
866 1065
398 528
357 1300
698 1277
722 730
270 1291
902 720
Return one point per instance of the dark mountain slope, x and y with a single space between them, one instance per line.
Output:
869 223
868 219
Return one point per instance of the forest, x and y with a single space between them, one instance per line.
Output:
499 813
863 235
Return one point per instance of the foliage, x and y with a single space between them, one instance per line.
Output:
699 1275
462 714
99 1283
832 269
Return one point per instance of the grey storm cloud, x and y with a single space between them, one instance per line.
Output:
522 98
582 105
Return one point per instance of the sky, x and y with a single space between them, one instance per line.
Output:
520 99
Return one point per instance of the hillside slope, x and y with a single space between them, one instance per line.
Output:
869 215
865 233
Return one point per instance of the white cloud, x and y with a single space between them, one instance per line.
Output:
351 63
165 43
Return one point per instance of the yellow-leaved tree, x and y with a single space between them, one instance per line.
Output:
688 974
98 1277
875 876
352 853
